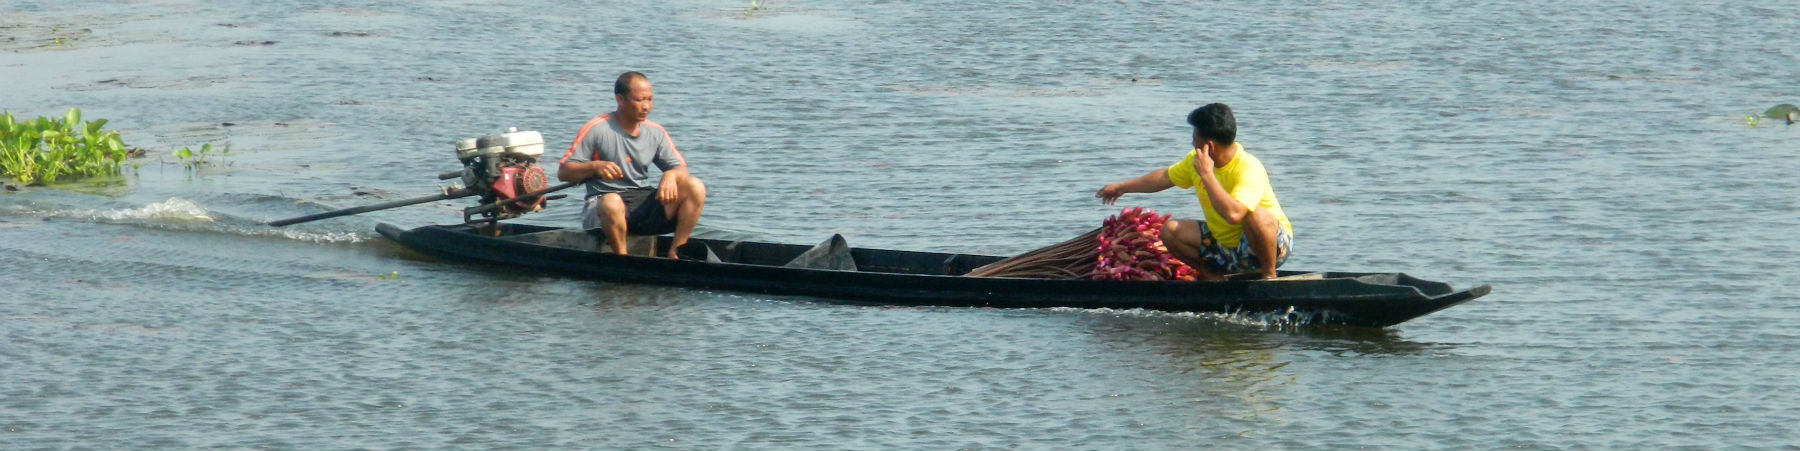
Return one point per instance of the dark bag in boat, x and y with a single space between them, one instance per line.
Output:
834 254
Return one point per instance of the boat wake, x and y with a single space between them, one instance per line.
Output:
174 210
184 215
1262 320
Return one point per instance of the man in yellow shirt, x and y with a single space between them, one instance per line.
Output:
1244 230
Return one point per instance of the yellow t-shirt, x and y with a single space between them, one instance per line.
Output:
1246 180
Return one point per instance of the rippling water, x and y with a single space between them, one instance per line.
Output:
1590 160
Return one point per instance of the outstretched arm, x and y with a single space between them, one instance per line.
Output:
1154 181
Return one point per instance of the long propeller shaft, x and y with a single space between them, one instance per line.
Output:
448 194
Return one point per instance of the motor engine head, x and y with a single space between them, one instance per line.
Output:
501 167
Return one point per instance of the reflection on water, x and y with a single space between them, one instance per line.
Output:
1235 368
1354 341
1229 370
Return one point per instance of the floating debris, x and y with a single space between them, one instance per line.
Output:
147 83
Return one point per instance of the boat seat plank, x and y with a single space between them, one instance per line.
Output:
1302 276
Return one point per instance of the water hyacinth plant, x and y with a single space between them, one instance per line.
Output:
194 159
42 150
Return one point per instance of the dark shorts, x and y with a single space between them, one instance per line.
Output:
643 213
1240 258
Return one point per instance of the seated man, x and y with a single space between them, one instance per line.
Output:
1244 230
613 152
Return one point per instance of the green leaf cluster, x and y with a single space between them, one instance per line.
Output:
194 159
757 6
43 150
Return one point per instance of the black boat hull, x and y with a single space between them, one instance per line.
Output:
933 279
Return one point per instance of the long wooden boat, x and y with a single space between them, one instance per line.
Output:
932 279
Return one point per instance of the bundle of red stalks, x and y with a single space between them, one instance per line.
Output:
1131 248
1127 246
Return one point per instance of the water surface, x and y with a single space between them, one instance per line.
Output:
1589 160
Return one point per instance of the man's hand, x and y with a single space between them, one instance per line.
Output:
1109 194
1203 162
668 191
606 170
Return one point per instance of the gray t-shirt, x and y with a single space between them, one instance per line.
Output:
602 140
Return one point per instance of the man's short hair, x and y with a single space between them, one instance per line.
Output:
623 85
1214 122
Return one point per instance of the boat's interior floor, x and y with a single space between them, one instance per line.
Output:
835 254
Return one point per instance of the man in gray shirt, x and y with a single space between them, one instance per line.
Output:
613 153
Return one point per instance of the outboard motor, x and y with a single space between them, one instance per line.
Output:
500 168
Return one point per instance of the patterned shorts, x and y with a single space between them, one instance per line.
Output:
1240 259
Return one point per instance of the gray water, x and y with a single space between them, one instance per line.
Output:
1590 160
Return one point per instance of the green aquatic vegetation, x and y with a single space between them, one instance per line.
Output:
1785 111
1781 111
42 150
757 6
194 159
